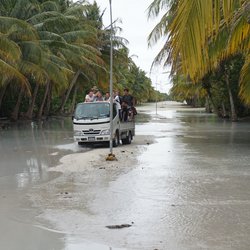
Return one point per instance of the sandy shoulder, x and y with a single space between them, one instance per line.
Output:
84 175
96 158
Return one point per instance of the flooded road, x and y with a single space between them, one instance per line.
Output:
187 188
27 150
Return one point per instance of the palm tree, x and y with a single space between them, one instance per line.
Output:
55 49
199 34
12 32
59 50
185 90
14 37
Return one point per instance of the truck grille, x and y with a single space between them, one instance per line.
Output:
91 132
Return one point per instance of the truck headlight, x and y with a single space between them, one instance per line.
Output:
105 132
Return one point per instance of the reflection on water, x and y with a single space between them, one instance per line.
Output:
195 183
190 189
28 149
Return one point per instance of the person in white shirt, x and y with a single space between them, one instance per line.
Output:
90 97
117 99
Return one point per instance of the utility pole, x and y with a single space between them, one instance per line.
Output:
111 156
156 99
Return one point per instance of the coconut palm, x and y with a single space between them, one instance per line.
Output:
202 33
11 34
63 46
25 35
185 90
15 35
55 49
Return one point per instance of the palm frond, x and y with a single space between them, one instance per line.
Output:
59 60
33 70
156 6
58 75
77 10
39 18
31 51
23 9
245 81
11 72
19 28
79 36
9 50
239 39
49 6
159 31
58 24
51 36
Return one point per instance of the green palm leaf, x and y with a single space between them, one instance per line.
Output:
11 72
245 81
9 50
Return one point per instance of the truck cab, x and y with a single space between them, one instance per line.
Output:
91 124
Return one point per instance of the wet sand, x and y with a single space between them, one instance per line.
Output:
182 184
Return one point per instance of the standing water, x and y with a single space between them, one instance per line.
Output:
187 189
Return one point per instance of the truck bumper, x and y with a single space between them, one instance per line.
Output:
92 139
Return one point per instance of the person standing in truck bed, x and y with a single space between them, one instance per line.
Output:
128 109
99 97
90 97
129 99
107 97
118 101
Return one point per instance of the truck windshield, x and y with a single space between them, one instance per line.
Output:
92 111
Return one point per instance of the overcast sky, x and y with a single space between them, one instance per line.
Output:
136 29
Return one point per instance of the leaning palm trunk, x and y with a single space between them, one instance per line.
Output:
207 105
14 115
224 113
2 92
232 106
66 97
74 99
49 100
40 112
29 113
214 107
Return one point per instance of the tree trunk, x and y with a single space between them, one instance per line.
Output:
66 97
14 114
40 112
214 108
49 100
74 99
234 117
2 92
29 113
195 101
207 105
224 113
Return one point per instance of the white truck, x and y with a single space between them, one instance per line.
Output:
91 123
